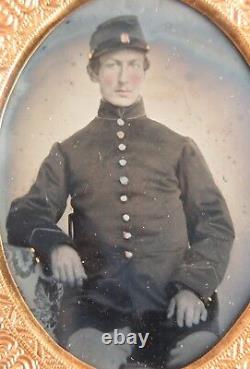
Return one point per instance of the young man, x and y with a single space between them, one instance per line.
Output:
152 233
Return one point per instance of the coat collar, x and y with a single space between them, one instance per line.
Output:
109 111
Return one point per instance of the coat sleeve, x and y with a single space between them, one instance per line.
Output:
209 225
32 219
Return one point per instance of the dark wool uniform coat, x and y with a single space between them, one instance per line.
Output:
146 211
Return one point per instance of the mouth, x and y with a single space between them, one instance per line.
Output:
123 92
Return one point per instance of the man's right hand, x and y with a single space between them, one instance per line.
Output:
66 266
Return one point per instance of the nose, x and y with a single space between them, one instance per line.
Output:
123 74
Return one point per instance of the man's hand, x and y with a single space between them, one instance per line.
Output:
66 266
189 309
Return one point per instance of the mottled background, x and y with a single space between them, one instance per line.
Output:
198 85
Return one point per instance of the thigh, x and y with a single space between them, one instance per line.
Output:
79 314
80 331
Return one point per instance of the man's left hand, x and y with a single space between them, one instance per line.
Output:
189 309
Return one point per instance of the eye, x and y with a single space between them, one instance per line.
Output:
110 64
136 65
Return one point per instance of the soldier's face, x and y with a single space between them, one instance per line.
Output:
120 76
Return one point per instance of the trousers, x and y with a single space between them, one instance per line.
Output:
163 333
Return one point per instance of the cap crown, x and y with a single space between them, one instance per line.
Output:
118 33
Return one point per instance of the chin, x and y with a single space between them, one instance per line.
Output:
123 102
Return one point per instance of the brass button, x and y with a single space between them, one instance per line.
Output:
125 217
122 147
124 198
128 254
126 235
124 180
120 134
120 122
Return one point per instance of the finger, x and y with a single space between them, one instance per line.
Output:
54 265
83 273
180 316
189 316
79 269
80 273
204 314
56 274
79 282
62 274
197 314
78 277
55 270
70 277
171 308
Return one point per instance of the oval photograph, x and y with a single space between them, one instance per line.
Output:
124 184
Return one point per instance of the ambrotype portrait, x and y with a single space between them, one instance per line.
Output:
149 233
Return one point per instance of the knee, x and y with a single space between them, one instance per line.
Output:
87 345
190 348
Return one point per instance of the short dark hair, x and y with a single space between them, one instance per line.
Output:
94 65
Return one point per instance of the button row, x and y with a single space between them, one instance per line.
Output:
121 147
124 181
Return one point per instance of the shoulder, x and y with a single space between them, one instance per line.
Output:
182 147
163 132
78 137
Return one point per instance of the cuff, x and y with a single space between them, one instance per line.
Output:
44 239
201 280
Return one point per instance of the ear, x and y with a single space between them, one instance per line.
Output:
92 74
